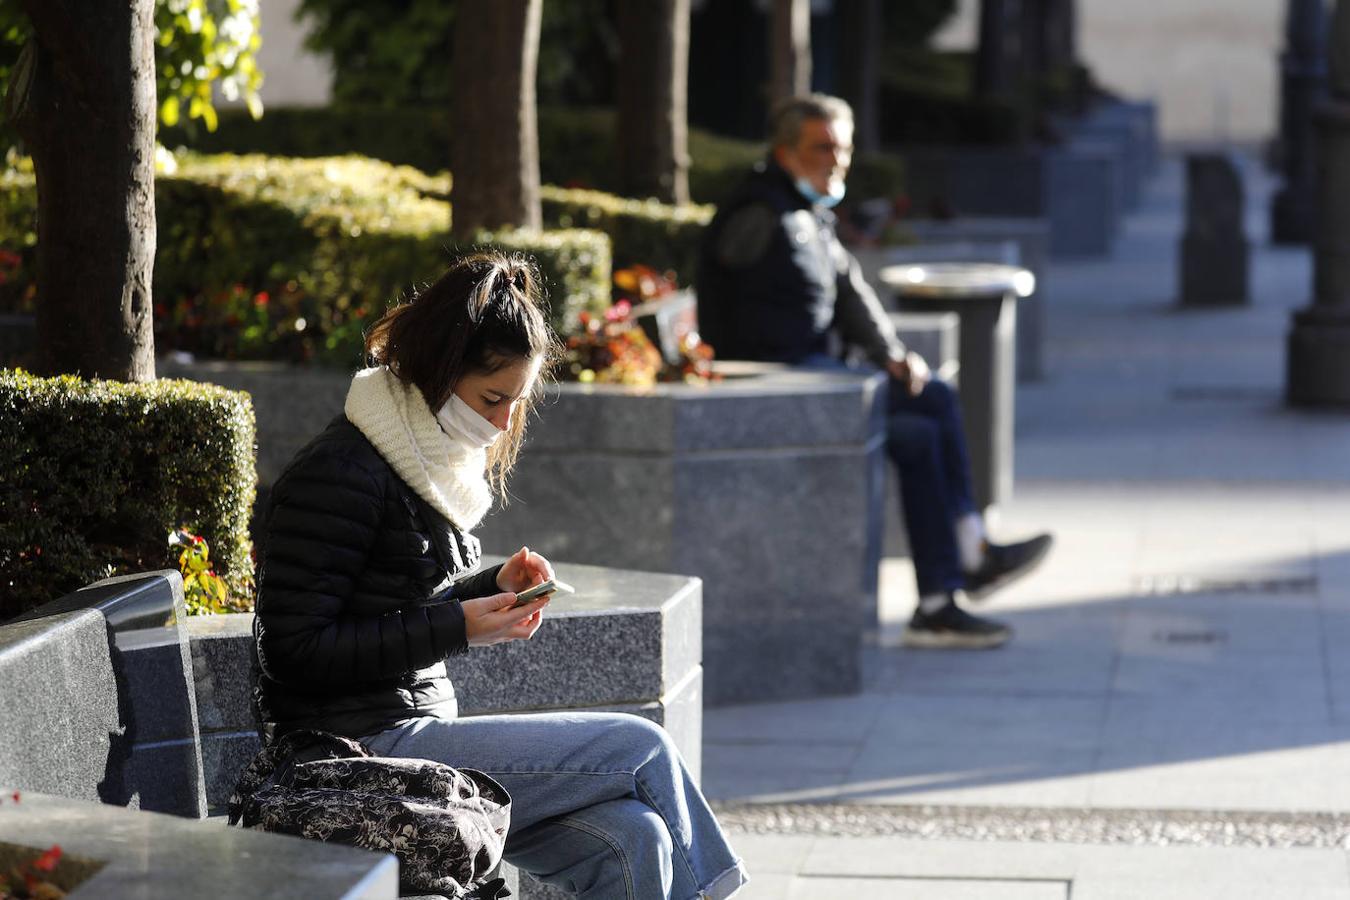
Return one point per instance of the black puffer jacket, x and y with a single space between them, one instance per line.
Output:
357 603
774 281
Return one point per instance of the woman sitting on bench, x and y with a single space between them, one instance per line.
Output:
358 605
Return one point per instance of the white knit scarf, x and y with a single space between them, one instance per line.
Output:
445 472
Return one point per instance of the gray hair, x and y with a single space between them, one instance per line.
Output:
788 115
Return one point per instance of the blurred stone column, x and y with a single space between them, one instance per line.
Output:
1319 341
1303 84
998 57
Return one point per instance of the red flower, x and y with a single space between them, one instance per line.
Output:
16 796
262 298
48 860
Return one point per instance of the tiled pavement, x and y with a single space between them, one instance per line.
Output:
1182 649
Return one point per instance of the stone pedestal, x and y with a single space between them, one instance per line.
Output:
985 297
1075 188
1303 75
1015 241
1214 250
766 486
1319 341
157 857
118 718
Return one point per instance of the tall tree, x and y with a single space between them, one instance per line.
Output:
82 96
494 149
790 30
860 45
652 87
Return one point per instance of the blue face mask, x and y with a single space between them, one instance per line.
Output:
830 200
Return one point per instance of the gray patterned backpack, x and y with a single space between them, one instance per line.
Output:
447 826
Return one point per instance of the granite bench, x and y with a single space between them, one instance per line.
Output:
134 705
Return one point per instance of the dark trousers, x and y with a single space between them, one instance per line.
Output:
926 442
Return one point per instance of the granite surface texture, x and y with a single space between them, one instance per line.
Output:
154 761
762 486
160 857
626 642
60 685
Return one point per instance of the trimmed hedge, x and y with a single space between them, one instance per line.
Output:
271 258
576 146
97 473
576 266
643 232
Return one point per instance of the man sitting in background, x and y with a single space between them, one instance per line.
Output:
775 284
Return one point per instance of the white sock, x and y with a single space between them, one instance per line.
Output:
931 603
970 540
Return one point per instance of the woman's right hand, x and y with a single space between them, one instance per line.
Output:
493 620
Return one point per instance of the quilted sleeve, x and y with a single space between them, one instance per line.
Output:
327 512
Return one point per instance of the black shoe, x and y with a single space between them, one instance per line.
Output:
952 628
1005 563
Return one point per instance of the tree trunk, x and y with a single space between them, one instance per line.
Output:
653 82
998 57
494 148
790 25
88 118
860 53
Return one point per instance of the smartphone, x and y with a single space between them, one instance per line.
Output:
552 586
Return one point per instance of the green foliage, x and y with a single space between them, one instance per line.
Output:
575 264
204 43
404 136
198 44
385 52
268 258
392 53
97 473
576 146
644 232
912 23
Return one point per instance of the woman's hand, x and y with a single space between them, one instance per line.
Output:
524 569
493 620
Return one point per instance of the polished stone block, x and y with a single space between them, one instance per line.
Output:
158 857
761 485
61 731
626 641
152 758
1075 188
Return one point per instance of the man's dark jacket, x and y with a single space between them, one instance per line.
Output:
357 603
774 281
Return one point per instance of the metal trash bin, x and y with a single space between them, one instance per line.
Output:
985 296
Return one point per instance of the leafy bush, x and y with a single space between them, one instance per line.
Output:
199 46
395 51
928 97
575 264
644 232
98 473
576 145
269 258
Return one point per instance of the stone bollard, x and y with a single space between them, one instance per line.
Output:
1214 247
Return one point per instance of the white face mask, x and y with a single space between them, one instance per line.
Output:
459 420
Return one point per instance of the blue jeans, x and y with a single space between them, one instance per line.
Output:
601 803
926 442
